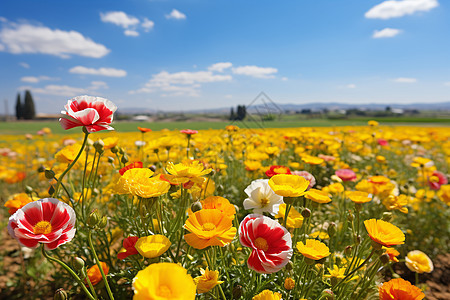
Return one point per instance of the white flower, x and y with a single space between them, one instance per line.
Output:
262 198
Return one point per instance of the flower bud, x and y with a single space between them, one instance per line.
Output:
236 208
28 189
77 263
196 206
384 259
51 190
124 159
348 250
153 168
93 218
350 216
103 222
387 216
99 145
237 292
289 266
114 149
306 213
49 174
327 294
289 283
60 294
110 159
332 229
41 169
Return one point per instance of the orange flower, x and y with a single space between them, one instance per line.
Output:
209 227
144 130
94 273
392 253
220 203
399 288
18 201
384 233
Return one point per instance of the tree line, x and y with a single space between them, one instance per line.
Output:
25 110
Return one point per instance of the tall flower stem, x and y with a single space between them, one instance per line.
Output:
97 261
356 269
60 179
68 269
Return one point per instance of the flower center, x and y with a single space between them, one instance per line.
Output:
164 291
261 244
208 227
42 227
264 202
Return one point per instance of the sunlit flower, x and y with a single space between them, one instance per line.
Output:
274 170
418 262
267 295
261 198
444 193
308 176
17 201
94 113
162 281
137 164
137 182
153 245
184 172
220 203
372 123
334 188
207 281
143 129
312 160
421 162
129 247
336 272
317 196
436 180
189 132
270 242
252 165
398 288
288 185
384 233
358 196
295 219
94 274
323 235
392 253
345 174
209 227
47 221
399 202
313 249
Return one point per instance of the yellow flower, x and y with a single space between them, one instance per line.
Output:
110 142
396 202
313 249
209 227
372 123
312 160
319 234
163 281
289 283
418 262
68 154
182 173
336 272
381 159
295 219
384 233
444 193
358 196
17 201
334 188
421 162
153 245
317 196
207 281
288 185
267 295
252 165
220 203
136 181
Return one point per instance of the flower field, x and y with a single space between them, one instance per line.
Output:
297 213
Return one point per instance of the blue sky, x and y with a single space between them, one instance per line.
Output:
193 54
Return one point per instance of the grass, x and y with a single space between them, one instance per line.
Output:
24 127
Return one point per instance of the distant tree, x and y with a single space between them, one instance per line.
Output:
241 112
29 111
19 108
232 115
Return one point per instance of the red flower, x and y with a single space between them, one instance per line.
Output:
275 170
382 142
270 242
436 180
137 164
128 244
94 113
189 131
345 174
47 221
144 130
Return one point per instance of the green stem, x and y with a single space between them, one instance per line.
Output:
97 261
86 134
68 269
286 215
356 269
91 287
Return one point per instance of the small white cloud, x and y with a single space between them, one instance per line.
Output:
33 79
176 14
447 83
228 96
58 90
131 32
386 33
284 78
220 67
351 86
147 24
119 18
395 9
26 38
255 71
110 72
405 80
95 85
25 65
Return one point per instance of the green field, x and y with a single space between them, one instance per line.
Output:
23 127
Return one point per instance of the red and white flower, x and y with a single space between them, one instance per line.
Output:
47 221
94 113
270 242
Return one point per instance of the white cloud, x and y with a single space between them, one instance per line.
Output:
405 80
33 79
110 72
255 71
119 18
180 83
386 33
220 67
447 83
395 9
284 78
25 65
57 90
147 24
95 85
27 38
131 32
351 86
175 14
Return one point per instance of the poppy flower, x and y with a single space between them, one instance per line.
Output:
399 288
189 132
345 174
47 221
308 176
207 281
94 274
270 242
384 233
436 180
288 185
317 196
261 198
418 262
153 245
274 170
144 130
267 295
94 113
129 247
313 249
137 164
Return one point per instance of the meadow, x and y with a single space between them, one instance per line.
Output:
313 209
